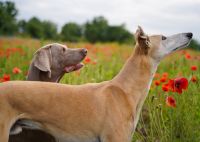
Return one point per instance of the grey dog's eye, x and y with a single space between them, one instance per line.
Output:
164 37
64 49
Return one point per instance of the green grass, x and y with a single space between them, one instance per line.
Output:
158 122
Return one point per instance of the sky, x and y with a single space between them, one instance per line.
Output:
155 16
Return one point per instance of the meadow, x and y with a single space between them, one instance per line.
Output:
167 116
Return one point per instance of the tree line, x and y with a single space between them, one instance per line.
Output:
96 30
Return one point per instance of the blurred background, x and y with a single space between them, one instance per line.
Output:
98 20
106 29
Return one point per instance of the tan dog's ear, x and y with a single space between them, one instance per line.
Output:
139 34
142 40
42 60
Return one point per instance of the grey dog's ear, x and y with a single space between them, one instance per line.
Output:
42 59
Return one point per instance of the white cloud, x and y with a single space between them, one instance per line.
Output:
156 16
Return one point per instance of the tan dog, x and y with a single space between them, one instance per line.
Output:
97 112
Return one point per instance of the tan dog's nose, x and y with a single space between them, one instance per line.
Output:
84 51
189 35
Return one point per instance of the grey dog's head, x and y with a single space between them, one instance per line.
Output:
56 59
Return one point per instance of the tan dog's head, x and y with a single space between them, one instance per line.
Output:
158 46
56 58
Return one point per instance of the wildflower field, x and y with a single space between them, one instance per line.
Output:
172 110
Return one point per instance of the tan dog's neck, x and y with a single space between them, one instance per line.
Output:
135 79
136 74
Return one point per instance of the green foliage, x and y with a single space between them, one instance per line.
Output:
71 32
34 28
194 45
38 29
96 30
8 13
21 26
160 123
119 33
49 30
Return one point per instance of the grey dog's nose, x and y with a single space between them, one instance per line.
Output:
189 35
84 51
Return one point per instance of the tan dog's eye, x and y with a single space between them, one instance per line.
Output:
164 37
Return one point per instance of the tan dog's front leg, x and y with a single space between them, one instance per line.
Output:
7 117
4 131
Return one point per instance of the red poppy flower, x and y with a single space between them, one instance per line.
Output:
194 79
163 79
87 60
170 101
165 87
157 82
193 68
178 84
1 80
187 56
6 77
16 70
165 74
